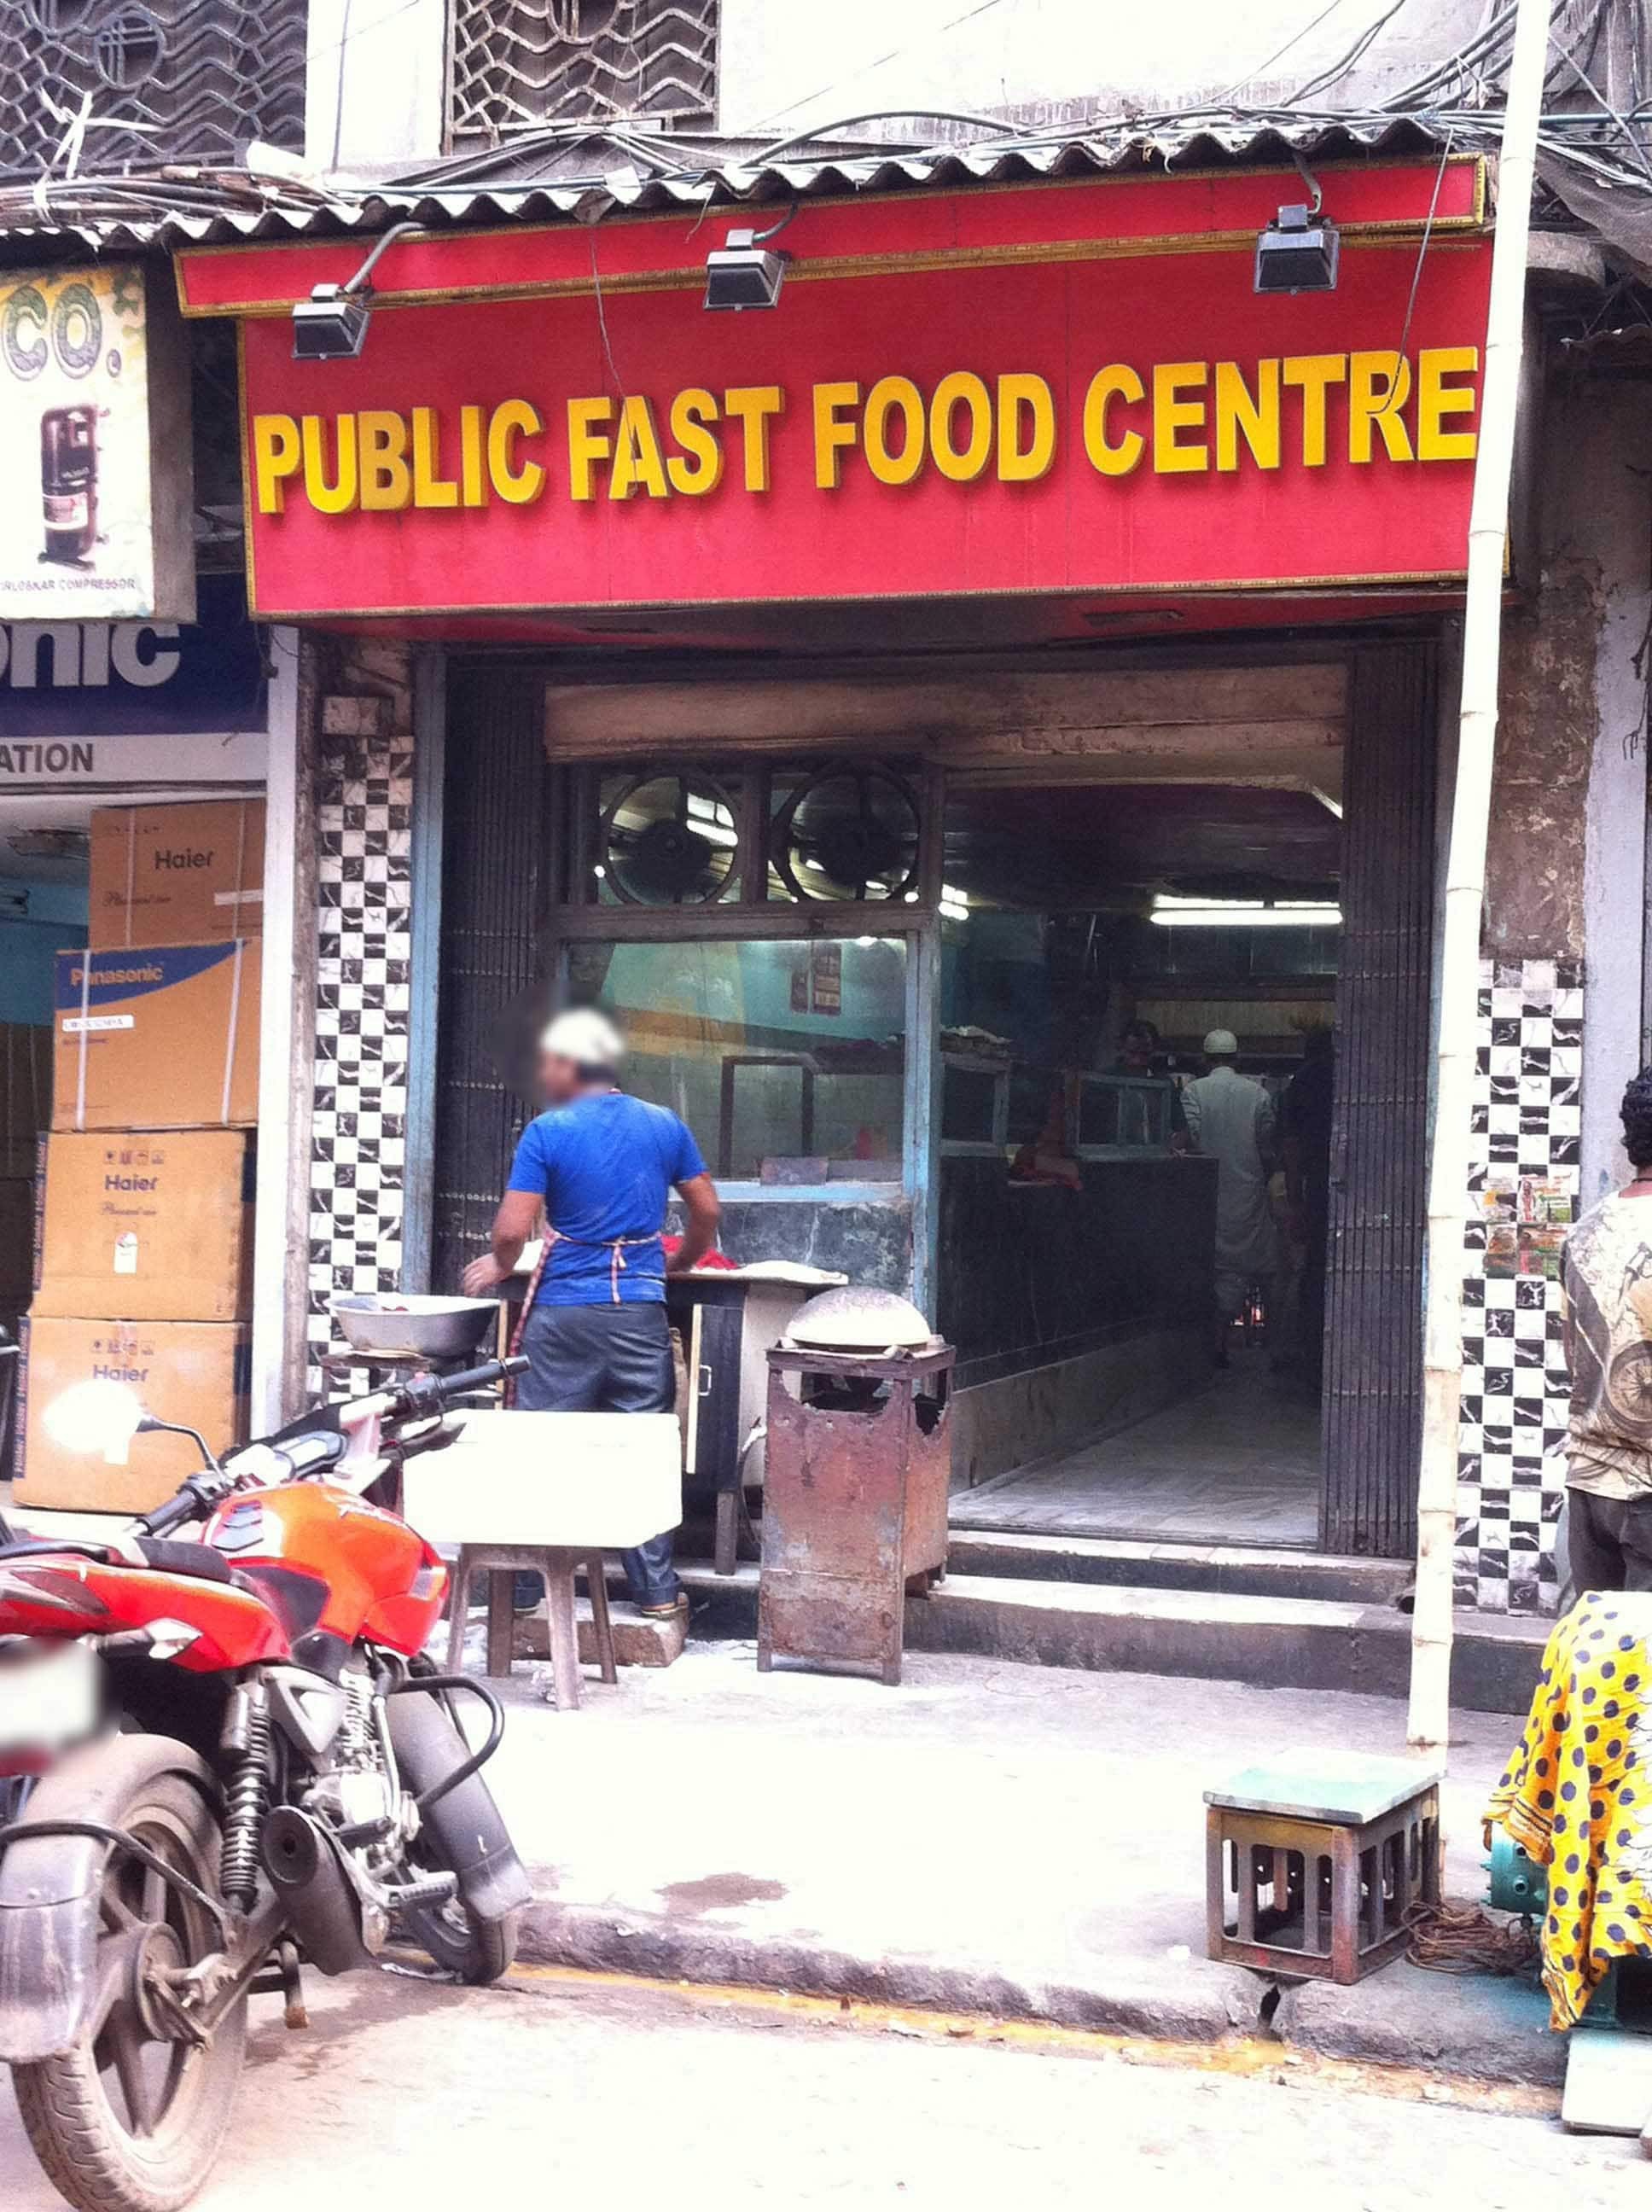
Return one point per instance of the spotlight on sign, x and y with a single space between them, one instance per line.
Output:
1298 252
745 271
329 325
332 324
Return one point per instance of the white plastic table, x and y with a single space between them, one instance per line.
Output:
548 1494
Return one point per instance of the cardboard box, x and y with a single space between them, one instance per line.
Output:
160 1225
158 1038
177 875
197 1372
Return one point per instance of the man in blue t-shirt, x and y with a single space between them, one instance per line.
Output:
602 1166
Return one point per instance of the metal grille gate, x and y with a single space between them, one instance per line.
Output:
1374 1310
154 81
521 64
495 866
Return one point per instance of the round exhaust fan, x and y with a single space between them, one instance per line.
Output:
670 840
851 832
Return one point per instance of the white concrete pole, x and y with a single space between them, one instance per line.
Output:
281 1140
1437 1502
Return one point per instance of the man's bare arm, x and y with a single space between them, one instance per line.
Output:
701 1211
514 1223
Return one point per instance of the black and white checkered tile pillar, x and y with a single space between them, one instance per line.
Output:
358 1151
1511 1476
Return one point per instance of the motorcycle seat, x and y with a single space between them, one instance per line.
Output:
198 1561
39 1547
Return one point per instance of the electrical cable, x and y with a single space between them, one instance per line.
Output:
1279 52
1361 47
1464 1939
939 31
1600 99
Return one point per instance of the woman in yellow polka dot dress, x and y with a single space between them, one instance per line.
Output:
1577 1795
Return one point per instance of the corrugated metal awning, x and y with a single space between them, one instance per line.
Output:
584 179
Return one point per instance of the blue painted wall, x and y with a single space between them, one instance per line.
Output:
56 921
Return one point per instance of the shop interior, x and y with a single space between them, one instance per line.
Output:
1079 1238
1074 1225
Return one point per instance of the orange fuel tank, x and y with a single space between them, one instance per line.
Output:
381 1581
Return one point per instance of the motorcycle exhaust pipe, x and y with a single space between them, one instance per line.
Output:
302 1861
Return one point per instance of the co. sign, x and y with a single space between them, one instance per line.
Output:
68 330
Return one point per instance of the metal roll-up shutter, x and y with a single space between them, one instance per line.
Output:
496 858
1374 1303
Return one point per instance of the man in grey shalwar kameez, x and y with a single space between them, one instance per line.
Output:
1232 1121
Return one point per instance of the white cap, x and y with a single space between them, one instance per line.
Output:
584 1036
1221 1044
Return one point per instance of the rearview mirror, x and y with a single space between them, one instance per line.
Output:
96 1416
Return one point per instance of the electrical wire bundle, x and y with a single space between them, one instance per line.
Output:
593 167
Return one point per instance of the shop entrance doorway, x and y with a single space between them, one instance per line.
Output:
907 1060
1161 1216
1184 1029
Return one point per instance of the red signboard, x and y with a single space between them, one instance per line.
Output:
1015 399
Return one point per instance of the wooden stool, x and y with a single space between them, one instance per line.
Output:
556 1565
1313 1862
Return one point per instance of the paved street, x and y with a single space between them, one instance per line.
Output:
571 2092
839 1836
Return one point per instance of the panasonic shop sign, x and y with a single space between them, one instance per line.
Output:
116 705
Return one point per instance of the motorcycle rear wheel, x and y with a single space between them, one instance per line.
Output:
127 2121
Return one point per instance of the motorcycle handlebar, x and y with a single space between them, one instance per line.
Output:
187 1505
425 1396
432 1393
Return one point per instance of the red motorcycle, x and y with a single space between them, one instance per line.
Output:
226 1758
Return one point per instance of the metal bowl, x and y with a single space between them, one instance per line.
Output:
857 1320
436 1328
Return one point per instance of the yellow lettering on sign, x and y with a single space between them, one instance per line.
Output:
832 434
586 444
386 480
1110 456
1379 385
698 468
1026 429
639 464
343 495
1436 401
1313 374
1171 413
754 407
517 481
961 391
277 454
430 487
1241 414
894 395
472 474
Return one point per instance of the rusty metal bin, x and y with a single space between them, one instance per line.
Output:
854 1506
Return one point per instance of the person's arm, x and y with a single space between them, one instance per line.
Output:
1267 1126
1191 1117
517 1216
701 1211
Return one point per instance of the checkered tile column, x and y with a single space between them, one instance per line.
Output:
1523 1188
364 816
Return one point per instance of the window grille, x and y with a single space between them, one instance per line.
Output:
155 81
522 64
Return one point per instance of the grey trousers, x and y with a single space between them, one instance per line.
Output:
606 1359
1608 1541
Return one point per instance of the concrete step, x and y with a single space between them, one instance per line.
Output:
1238 1571
1277 1643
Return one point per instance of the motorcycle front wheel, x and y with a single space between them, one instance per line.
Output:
129 2120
